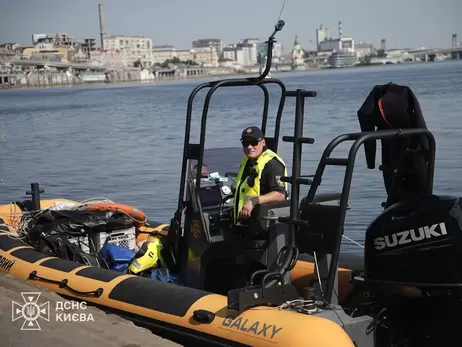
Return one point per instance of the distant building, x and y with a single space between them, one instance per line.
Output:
183 54
207 57
398 53
363 49
11 46
108 57
44 45
241 54
55 39
46 53
344 44
78 56
10 51
6 54
78 50
165 52
229 52
208 43
322 34
250 41
340 51
342 59
252 48
88 46
162 53
277 50
262 49
245 53
297 55
132 49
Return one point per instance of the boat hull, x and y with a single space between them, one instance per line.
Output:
167 309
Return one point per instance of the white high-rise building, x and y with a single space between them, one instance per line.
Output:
322 34
244 54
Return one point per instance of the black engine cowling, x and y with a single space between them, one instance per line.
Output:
417 242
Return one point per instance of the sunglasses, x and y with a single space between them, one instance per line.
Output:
252 142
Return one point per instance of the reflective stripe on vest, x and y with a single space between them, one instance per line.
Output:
243 190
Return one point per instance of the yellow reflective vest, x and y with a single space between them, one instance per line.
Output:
149 258
243 190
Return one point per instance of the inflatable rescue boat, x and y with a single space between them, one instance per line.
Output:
278 278
186 315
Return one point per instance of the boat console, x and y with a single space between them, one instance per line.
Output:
216 199
212 197
212 233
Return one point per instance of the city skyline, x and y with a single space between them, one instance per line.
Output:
427 24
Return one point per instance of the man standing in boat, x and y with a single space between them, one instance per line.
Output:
259 177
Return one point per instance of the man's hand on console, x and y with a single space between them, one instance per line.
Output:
248 208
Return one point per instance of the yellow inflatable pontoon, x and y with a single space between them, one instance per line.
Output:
184 314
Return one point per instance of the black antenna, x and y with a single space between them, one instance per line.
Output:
269 55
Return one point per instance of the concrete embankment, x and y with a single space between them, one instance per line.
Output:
103 330
39 79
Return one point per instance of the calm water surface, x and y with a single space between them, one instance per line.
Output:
125 142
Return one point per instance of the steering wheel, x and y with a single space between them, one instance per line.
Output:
220 209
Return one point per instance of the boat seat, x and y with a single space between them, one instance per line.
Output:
254 234
320 233
257 243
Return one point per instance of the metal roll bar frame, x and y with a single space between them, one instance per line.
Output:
359 139
196 151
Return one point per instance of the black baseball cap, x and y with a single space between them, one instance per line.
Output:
252 133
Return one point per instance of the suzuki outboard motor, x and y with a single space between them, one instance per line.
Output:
413 272
412 283
417 243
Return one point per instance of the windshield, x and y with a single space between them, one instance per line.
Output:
222 160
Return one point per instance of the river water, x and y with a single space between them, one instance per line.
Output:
125 142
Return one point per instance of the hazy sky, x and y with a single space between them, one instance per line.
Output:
404 23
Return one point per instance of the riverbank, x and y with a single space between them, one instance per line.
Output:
104 330
58 79
55 80
62 79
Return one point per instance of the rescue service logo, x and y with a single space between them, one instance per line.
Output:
31 311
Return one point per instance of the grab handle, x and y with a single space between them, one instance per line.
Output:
63 284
